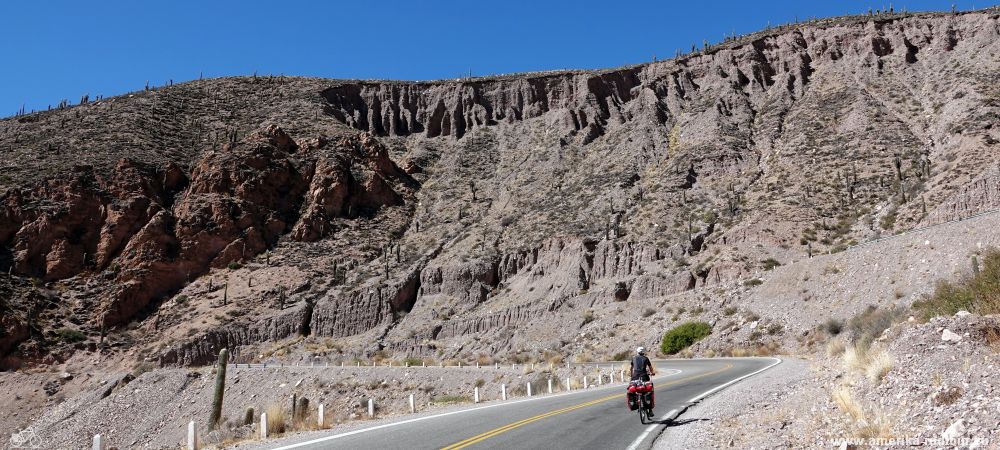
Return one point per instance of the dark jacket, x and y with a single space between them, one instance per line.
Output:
641 368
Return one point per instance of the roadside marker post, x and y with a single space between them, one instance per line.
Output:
98 442
503 392
413 407
600 379
371 408
263 425
319 416
550 385
529 389
477 364
585 382
475 397
568 386
192 437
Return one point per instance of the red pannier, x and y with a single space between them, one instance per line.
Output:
635 388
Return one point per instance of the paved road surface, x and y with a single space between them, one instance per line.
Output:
596 418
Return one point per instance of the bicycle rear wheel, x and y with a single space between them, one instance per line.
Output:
642 413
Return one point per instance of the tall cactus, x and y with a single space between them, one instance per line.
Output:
220 389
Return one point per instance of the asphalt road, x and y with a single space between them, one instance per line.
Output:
595 418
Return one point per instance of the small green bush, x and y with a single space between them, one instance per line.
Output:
234 266
870 324
683 336
70 336
753 282
770 263
978 293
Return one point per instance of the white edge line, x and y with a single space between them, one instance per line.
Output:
673 413
722 386
418 419
642 437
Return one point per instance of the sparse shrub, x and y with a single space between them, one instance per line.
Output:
833 326
588 316
978 293
480 382
412 361
730 310
451 399
753 282
683 336
249 417
234 266
948 396
142 367
770 263
775 328
648 312
870 324
70 336
621 356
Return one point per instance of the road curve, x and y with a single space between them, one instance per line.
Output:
595 418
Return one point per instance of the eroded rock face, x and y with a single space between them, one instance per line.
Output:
590 102
152 230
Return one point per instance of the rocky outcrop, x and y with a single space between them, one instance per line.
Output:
982 194
205 348
154 229
589 103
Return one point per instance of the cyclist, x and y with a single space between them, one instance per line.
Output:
642 368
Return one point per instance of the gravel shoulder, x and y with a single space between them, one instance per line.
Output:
715 421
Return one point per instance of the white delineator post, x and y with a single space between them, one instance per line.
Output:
192 437
475 397
550 385
529 388
413 406
263 425
503 392
600 379
98 442
319 416
585 382
568 386
371 408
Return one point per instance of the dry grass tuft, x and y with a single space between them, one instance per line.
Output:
846 402
276 418
856 357
835 347
879 364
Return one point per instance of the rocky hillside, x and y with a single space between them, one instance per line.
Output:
418 218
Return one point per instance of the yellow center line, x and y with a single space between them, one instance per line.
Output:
497 431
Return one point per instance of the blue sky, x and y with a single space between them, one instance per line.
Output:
55 50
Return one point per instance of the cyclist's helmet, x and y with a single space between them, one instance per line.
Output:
641 350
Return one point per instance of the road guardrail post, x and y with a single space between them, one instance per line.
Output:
319 416
475 397
503 392
529 389
585 382
569 387
192 437
413 407
263 425
371 408
550 385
